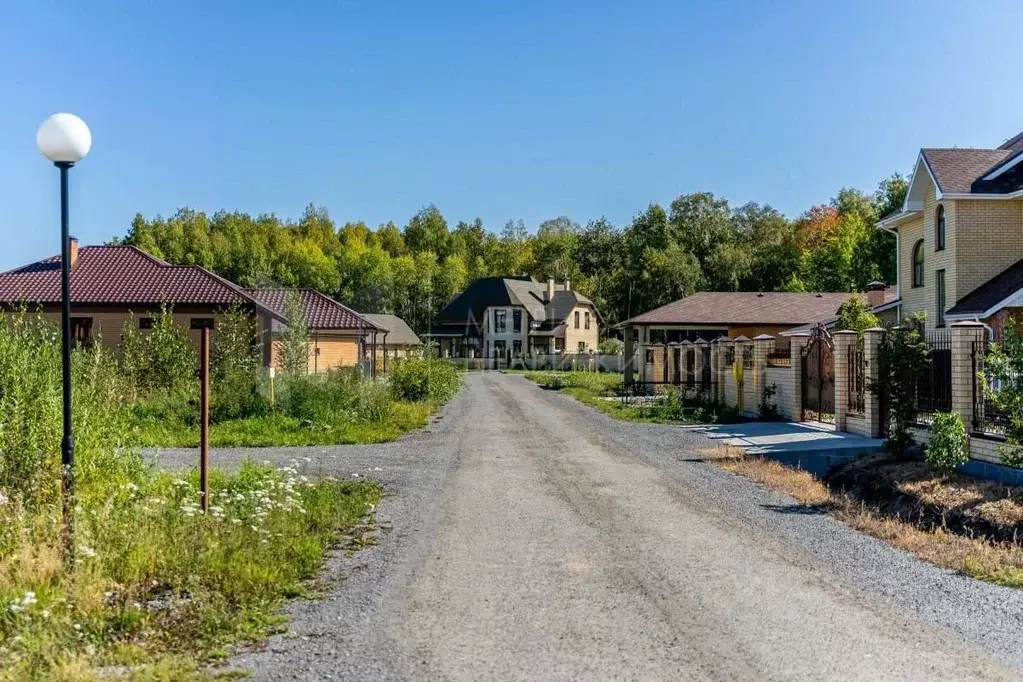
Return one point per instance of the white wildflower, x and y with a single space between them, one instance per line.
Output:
87 552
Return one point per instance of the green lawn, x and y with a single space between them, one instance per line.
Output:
277 429
598 390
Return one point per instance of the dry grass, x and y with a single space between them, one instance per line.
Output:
998 562
797 483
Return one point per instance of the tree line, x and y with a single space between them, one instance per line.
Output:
698 243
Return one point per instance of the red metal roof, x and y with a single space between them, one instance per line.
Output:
119 275
321 312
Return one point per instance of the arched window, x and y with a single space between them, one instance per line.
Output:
918 264
939 228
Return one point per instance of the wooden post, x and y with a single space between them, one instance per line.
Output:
204 420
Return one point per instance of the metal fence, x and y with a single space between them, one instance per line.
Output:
646 392
779 358
934 387
747 357
988 420
857 381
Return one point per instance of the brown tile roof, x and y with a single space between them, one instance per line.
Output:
991 292
955 170
741 308
119 275
321 312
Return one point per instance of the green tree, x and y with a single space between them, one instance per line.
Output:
855 315
294 342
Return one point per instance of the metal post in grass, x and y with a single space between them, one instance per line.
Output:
64 139
204 419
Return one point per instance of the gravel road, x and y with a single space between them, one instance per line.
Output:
528 537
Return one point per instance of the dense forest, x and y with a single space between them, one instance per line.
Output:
697 243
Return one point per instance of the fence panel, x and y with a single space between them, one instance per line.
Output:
988 420
934 388
857 381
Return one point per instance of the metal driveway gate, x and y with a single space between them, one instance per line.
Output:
819 378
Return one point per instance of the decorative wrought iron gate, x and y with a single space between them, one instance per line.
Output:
690 367
819 378
676 365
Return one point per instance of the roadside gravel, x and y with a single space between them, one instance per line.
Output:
527 536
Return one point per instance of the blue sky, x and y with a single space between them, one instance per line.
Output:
527 110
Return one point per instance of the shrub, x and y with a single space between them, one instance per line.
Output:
339 396
423 380
947 447
672 405
1004 386
768 408
31 407
162 359
236 367
902 356
294 343
611 346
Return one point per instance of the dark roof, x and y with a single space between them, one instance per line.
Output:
321 311
1013 143
119 275
741 308
956 170
511 291
398 332
991 292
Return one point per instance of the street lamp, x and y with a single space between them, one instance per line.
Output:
64 139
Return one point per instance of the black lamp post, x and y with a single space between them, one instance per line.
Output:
64 139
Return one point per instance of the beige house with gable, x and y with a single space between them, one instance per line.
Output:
960 235
510 317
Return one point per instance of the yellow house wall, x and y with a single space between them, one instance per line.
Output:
334 351
574 336
992 240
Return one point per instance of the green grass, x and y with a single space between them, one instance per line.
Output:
277 429
594 389
161 590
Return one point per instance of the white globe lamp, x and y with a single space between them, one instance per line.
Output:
64 138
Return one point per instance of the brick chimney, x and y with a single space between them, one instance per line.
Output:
73 251
875 293
549 294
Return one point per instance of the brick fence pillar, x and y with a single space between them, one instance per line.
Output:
797 343
964 336
871 402
698 364
762 345
844 340
657 368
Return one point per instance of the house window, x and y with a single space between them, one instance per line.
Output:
201 323
939 296
559 345
145 323
577 319
516 348
918 264
582 346
81 330
586 317
517 321
499 349
500 321
939 228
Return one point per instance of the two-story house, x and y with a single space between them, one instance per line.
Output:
959 235
505 317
